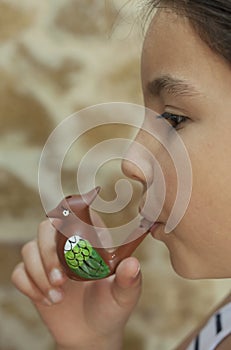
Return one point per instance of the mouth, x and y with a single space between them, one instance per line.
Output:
147 223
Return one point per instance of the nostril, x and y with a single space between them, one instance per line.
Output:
131 170
126 167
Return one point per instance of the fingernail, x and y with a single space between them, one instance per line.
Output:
55 275
136 272
55 296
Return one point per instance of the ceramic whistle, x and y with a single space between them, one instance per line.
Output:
79 248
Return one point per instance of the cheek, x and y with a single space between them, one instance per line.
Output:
200 245
209 207
211 192
212 173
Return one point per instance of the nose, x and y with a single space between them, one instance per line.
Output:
138 162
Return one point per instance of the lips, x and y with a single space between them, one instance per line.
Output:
148 225
153 227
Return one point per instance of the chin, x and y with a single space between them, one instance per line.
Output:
189 270
192 271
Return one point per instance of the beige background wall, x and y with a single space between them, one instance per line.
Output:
57 57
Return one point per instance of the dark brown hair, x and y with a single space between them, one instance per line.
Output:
211 19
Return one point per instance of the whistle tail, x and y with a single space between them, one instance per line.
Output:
89 197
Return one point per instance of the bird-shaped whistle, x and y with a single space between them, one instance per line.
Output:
79 248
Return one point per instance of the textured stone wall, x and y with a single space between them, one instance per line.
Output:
57 57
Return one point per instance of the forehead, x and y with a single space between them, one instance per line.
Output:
171 43
173 47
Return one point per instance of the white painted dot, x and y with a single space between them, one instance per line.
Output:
66 212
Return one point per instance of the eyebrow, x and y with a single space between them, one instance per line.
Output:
172 85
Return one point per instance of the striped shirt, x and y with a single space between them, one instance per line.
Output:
216 329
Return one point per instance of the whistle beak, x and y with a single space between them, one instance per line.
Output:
53 214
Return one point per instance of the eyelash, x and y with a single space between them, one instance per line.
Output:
175 118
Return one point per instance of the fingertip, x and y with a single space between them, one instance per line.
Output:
45 225
129 267
127 283
57 277
128 275
55 296
25 285
16 273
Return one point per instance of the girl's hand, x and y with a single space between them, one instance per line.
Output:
79 315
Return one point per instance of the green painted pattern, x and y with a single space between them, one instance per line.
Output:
84 260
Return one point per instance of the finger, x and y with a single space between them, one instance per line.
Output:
47 248
126 287
26 286
35 270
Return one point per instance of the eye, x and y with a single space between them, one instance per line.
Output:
66 212
174 119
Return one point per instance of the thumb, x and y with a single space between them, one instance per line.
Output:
126 287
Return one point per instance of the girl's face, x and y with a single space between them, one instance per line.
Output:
199 88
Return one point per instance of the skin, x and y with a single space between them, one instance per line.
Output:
199 246
96 312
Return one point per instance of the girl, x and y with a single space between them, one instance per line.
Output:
186 78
